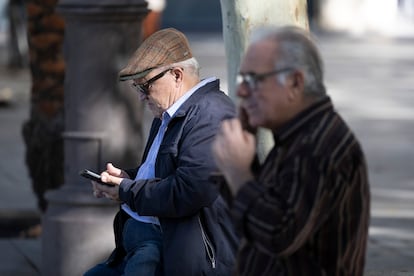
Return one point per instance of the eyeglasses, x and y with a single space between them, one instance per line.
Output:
144 87
252 79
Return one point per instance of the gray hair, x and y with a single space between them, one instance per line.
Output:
296 50
191 64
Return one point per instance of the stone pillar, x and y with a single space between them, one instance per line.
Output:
102 124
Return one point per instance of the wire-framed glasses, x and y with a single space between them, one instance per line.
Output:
252 79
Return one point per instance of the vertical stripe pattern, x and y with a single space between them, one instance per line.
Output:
307 212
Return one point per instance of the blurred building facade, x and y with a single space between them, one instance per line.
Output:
356 17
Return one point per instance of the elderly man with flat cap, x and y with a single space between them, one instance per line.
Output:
172 219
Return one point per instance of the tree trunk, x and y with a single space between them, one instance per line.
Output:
42 131
240 17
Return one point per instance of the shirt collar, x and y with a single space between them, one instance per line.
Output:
173 109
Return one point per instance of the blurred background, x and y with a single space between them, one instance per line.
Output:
389 18
354 17
368 49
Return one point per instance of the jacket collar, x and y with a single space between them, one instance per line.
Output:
303 118
214 84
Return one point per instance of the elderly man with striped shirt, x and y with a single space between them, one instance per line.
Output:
305 210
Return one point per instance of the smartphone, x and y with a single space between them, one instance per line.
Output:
93 176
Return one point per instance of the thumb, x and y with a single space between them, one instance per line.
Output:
112 170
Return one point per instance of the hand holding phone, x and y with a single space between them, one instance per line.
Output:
93 176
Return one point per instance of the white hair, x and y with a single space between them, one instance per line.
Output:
297 50
191 65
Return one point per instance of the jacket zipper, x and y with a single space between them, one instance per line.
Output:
208 245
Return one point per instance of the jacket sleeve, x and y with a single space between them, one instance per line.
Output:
187 189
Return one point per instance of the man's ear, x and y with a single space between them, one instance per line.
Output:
177 73
296 82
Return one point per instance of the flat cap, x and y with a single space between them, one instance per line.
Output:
164 47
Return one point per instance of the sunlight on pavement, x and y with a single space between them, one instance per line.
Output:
369 107
391 232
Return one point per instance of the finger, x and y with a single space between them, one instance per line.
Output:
248 137
98 194
231 130
226 128
107 178
96 191
236 125
219 151
221 127
112 170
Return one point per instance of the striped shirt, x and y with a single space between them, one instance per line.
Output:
307 210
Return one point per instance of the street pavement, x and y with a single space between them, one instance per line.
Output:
371 83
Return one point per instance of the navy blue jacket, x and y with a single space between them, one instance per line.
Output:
198 235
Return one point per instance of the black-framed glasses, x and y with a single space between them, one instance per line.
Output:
252 79
144 87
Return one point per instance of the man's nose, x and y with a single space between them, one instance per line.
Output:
242 90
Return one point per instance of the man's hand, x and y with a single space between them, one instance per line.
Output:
114 171
233 150
112 176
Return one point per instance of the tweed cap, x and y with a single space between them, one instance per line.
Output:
164 47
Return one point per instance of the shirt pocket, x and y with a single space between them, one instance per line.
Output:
167 160
170 149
